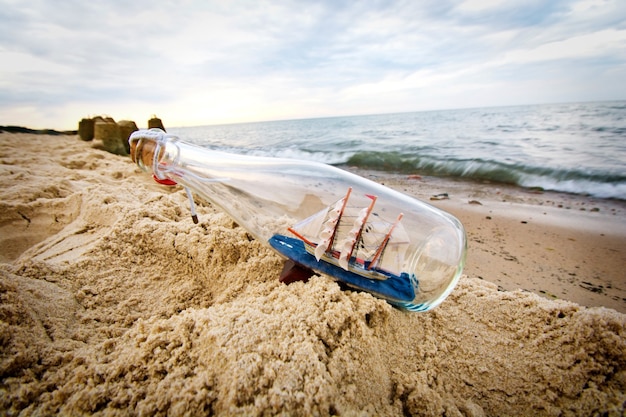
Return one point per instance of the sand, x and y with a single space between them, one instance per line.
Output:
114 303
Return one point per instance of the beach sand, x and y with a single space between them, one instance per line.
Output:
114 303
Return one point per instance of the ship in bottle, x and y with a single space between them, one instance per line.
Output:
321 219
354 244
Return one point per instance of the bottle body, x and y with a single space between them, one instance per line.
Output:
366 235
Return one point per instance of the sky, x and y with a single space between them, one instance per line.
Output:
200 62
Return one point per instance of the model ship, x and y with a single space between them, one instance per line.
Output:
354 245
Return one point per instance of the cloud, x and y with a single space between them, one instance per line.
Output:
198 62
607 43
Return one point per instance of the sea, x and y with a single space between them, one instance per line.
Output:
577 148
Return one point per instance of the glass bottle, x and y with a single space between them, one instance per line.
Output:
321 218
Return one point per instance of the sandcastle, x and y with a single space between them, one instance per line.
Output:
113 135
86 129
127 127
155 122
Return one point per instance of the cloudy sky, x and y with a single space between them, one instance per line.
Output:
199 62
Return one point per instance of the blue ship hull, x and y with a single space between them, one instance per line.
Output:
396 289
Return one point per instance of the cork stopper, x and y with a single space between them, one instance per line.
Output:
142 151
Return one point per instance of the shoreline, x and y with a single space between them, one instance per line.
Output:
26 130
557 245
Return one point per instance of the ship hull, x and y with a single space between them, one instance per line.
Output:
362 271
396 288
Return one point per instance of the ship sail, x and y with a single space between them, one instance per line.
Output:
390 253
346 246
309 228
327 233
373 234
320 229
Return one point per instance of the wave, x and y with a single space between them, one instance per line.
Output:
575 181
578 181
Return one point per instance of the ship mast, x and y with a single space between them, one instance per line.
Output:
343 207
346 255
383 244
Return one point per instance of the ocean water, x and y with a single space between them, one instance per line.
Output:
575 147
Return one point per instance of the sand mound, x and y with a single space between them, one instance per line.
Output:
113 302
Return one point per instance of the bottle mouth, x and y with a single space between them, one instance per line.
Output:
145 147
